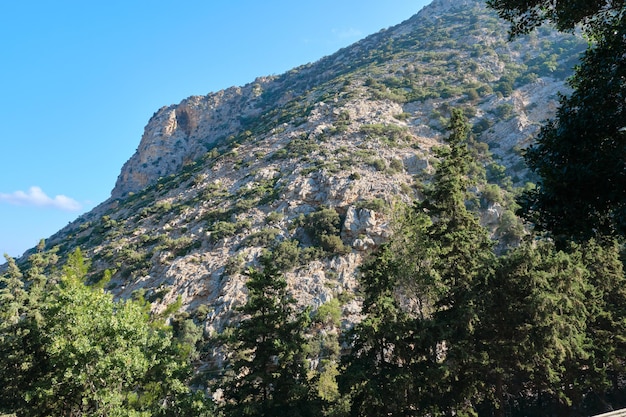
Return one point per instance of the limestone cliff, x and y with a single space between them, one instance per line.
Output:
218 179
181 133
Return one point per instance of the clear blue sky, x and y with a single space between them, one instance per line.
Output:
79 80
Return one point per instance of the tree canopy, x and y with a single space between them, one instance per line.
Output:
67 349
580 154
525 15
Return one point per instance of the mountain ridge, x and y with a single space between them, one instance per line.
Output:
334 147
193 121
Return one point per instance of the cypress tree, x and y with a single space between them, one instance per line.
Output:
535 329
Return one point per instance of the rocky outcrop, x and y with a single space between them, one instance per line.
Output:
217 180
181 133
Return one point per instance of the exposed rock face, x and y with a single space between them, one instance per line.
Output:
218 179
182 133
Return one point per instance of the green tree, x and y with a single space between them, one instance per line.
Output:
534 329
376 375
22 354
87 354
268 373
324 355
606 326
12 307
12 293
579 155
525 15
461 264
416 348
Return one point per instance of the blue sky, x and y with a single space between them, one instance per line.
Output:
79 80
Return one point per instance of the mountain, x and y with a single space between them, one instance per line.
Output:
312 163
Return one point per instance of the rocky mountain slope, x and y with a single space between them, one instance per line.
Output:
311 163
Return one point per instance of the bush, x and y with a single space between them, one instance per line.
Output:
324 221
323 226
505 111
333 244
377 164
329 313
222 229
273 217
387 133
263 237
511 229
285 255
492 194
376 204
396 165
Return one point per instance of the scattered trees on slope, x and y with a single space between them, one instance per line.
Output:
449 328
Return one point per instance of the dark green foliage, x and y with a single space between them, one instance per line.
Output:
462 261
268 373
285 255
606 323
580 154
376 375
535 326
525 15
450 329
553 330
511 230
423 293
264 237
323 228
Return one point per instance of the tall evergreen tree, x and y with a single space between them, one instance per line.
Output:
13 296
416 347
269 375
377 374
605 367
461 263
534 329
22 352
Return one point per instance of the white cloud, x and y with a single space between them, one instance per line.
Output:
36 197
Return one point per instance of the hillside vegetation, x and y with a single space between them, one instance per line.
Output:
338 240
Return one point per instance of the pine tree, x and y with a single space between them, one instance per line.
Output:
461 262
416 348
269 375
